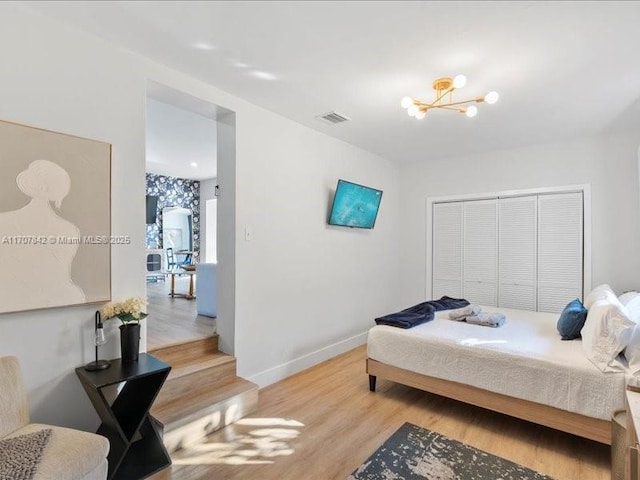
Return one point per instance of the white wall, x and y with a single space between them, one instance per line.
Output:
608 162
59 81
300 285
303 285
226 238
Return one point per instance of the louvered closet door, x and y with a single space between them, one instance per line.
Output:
480 240
447 250
559 250
517 252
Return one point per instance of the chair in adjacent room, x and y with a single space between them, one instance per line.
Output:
171 260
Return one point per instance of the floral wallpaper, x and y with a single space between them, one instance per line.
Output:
173 192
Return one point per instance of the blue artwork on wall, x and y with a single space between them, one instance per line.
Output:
173 192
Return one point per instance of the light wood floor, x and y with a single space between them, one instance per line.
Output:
174 320
323 423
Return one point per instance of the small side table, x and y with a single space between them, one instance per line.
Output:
136 450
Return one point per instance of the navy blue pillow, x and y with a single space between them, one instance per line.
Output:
572 320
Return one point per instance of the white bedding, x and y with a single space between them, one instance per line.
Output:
525 358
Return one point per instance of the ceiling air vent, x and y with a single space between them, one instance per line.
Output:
333 118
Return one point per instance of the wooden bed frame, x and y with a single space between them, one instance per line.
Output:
574 423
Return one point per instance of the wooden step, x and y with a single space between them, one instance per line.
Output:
201 394
182 351
193 375
207 362
192 416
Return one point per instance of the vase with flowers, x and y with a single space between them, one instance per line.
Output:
129 312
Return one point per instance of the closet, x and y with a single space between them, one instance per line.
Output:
521 252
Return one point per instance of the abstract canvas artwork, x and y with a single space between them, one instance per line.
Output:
55 219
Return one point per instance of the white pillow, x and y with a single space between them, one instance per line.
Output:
633 309
606 333
627 297
632 352
601 292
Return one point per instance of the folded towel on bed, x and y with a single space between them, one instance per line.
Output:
421 313
460 314
487 319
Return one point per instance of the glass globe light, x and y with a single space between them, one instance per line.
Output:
100 339
491 97
472 111
459 81
420 115
406 102
413 111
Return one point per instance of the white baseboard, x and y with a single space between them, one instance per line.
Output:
280 372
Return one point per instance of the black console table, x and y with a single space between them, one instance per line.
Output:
122 395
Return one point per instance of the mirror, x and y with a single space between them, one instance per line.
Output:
177 229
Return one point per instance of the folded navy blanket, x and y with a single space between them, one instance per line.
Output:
421 313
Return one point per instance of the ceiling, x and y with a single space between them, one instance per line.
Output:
563 69
179 143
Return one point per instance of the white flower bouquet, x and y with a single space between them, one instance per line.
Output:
128 311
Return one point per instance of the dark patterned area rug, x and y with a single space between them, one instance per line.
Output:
414 453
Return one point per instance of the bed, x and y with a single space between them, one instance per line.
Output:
522 369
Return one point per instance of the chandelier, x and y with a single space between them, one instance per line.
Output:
444 88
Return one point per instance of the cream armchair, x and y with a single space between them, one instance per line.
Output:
68 454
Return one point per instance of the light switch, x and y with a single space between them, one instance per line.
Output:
248 234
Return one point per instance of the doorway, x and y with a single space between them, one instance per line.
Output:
182 176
